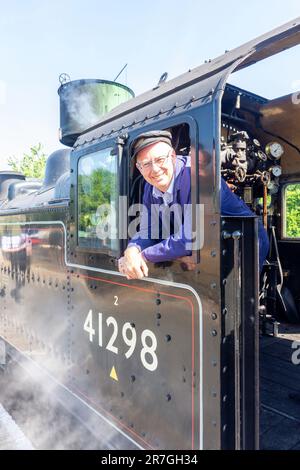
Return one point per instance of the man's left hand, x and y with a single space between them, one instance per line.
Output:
132 264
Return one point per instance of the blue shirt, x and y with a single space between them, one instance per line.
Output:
155 219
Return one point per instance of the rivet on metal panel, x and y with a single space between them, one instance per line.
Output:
224 370
214 423
132 378
214 394
213 222
213 254
224 282
224 311
158 316
168 338
237 234
224 339
168 397
132 325
224 429
214 316
214 333
158 301
224 252
226 235
213 285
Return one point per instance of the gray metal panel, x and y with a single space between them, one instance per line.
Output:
209 74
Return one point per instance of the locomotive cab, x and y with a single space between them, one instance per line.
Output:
169 361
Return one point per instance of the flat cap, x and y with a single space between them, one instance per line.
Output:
148 138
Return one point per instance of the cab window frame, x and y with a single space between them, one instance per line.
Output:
111 145
167 124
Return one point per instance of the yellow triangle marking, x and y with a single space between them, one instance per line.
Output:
113 374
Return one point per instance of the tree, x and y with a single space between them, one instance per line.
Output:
293 210
32 164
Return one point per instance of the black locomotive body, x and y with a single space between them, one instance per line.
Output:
170 361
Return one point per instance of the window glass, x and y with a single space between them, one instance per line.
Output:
97 200
292 211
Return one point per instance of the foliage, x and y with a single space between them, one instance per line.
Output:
292 197
32 164
94 190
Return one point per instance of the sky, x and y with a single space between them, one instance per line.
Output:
40 39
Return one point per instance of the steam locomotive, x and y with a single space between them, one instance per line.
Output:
170 361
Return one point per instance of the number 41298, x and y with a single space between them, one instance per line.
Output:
129 335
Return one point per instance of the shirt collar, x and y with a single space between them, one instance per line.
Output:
168 195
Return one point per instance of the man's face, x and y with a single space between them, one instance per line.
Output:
155 167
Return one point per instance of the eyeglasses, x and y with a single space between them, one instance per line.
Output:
147 166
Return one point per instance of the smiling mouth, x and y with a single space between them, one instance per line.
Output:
158 177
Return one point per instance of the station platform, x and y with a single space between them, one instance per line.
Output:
280 389
11 436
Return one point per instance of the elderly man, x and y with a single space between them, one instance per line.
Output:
168 184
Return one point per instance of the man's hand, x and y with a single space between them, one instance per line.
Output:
132 264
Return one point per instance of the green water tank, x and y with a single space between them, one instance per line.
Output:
84 102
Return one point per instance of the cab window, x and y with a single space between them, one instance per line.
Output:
292 211
97 201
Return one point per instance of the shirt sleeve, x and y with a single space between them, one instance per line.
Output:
167 250
142 239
